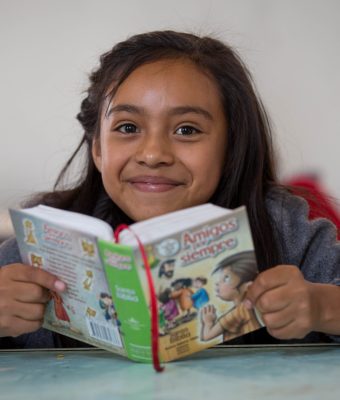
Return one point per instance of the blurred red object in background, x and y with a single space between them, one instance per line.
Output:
320 203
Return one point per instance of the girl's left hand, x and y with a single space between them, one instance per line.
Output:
208 315
285 300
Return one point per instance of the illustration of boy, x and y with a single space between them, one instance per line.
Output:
200 297
105 303
182 293
110 314
235 274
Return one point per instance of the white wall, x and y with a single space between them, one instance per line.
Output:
48 47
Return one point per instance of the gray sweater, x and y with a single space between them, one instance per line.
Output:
310 245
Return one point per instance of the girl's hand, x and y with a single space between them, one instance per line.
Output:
208 315
24 293
289 308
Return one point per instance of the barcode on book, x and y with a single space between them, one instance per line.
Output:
104 333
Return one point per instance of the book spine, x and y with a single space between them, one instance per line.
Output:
129 299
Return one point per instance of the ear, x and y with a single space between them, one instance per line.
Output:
96 154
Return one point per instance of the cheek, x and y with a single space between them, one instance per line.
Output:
207 170
224 288
112 164
211 159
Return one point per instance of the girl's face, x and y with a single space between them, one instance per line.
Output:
226 286
162 140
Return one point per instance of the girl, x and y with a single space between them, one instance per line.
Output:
235 273
171 120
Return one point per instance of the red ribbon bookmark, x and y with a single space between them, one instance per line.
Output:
153 298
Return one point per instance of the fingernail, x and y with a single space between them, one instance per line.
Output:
248 304
59 286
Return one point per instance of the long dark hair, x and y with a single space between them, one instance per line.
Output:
249 169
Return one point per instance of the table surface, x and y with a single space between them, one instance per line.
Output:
228 372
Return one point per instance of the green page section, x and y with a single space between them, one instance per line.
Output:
129 300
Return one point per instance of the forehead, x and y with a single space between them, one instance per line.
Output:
227 271
172 81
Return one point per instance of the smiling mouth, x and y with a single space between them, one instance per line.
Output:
153 184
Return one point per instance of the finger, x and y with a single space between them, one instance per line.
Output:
25 311
211 309
206 309
273 300
277 320
268 280
29 311
27 273
287 332
26 292
14 326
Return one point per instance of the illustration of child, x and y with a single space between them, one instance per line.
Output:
200 297
182 293
59 310
235 275
168 307
106 303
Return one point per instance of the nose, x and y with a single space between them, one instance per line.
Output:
154 150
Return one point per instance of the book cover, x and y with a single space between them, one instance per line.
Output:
200 272
200 276
85 311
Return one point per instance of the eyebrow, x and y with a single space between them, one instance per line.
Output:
125 107
181 110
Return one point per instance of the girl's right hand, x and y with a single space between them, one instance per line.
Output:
24 293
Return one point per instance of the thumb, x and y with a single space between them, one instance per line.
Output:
247 302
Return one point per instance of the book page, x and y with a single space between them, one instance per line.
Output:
73 220
168 224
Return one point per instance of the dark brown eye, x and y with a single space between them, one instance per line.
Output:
127 128
187 130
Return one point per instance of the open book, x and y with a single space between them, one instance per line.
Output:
201 260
